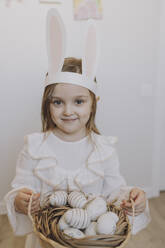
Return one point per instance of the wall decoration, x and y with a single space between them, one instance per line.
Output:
8 2
50 1
86 9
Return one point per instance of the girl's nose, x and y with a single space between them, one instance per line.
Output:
68 109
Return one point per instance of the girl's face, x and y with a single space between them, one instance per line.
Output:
70 109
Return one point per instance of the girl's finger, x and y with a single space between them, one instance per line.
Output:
140 206
137 195
140 199
35 200
33 205
36 204
127 204
24 203
131 214
36 196
141 210
27 191
137 207
35 209
24 197
134 193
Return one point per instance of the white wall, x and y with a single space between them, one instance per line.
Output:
159 170
128 63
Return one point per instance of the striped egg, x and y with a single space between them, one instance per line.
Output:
58 198
74 233
77 199
77 218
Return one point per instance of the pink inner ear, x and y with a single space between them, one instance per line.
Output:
56 42
90 56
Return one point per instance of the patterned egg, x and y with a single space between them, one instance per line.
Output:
106 224
58 198
96 207
74 233
77 199
91 229
77 218
62 224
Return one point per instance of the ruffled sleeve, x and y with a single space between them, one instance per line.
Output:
115 189
113 180
24 179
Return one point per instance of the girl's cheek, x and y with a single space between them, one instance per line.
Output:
86 110
57 112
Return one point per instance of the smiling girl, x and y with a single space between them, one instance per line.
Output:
69 153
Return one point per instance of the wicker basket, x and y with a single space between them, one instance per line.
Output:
45 227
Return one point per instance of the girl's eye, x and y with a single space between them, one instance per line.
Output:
57 102
79 102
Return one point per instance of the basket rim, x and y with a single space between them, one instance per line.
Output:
58 245
52 242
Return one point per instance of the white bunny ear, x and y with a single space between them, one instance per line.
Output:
91 53
56 43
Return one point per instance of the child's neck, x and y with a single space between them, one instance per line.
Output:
70 137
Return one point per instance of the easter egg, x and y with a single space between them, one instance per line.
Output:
74 233
58 198
91 229
96 207
106 224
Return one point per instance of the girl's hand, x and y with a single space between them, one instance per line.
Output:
21 201
139 198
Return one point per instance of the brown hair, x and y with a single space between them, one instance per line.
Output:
71 65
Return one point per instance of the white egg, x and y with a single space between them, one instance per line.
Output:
74 233
91 229
96 207
106 224
62 224
114 216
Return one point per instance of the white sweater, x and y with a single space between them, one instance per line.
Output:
46 163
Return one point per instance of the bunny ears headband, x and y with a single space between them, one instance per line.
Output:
56 48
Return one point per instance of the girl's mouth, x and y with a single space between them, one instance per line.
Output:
69 119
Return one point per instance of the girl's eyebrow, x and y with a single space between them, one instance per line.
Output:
56 97
81 96
74 96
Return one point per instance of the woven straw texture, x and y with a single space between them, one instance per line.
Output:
45 224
